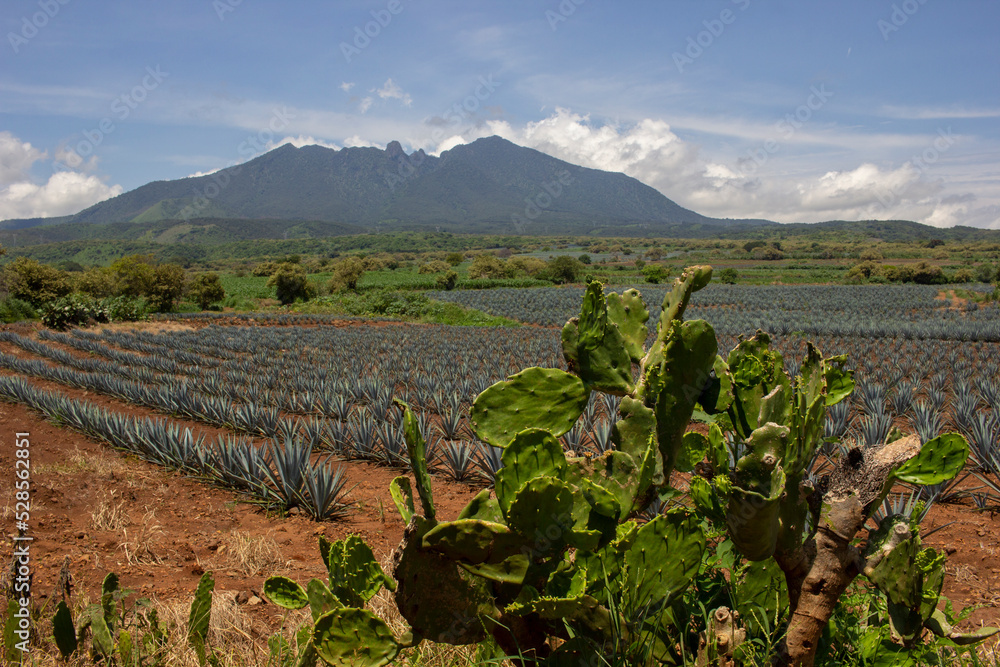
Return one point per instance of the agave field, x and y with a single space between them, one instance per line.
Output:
297 397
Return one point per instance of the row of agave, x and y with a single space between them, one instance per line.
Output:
896 311
280 473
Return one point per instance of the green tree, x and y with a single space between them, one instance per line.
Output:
346 274
99 282
434 266
447 281
166 287
564 269
133 275
291 284
455 258
206 289
728 276
486 265
34 282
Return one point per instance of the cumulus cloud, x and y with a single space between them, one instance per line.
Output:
302 140
390 90
65 192
346 86
651 152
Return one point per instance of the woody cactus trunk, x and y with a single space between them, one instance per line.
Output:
555 565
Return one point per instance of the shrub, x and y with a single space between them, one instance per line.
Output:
346 274
655 274
486 265
13 309
455 258
865 271
584 258
73 310
986 273
125 309
265 269
29 280
447 281
134 275
291 284
564 269
528 266
962 276
871 255
434 266
206 289
98 281
166 287
928 274
898 274
728 276
767 253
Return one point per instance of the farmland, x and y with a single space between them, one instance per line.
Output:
293 413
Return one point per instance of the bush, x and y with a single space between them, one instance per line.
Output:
13 309
865 271
125 309
134 275
528 266
265 269
166 287
898 274
962 276
871 255
655 274
73 310
584 258
447 281
34 282
564 269
206 289
488 266
434 266
986 273
728 276
928 274
291 284
98 282
767 253
455 258
346 274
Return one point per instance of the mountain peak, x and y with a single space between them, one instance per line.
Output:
395 150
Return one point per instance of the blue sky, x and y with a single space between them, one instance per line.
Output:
791 111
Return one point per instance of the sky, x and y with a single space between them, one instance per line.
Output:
791 111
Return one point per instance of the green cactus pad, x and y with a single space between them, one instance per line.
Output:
581 611
354 638
937 461
355 575
542 512
607 367
632 433
510 571
615 472
628 312
663 558
689 353
593 317
101 639
473 541
675 302
63 630
939 624
402 496
545 398
760 587
321 598
898 576
285 593
532 453
440 600
484 507
706 499
417 450
201 612
753 517
694 447
756 370
717 395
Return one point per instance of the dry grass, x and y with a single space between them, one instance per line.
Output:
109 513
250 555
141 546
100 463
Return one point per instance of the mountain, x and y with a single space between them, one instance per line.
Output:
488 186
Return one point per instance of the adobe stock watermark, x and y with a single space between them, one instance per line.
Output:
922 162
901 13
223 7
697 44
541 201
121 108
562 13
363 35
786 127
252 146
30 25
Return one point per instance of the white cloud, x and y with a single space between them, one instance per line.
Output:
346 86
365 104
301 141
652 152
63 193
391 90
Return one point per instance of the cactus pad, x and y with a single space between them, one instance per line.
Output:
354 638
321 598
546 398
628 312
937 461
532 453
665 555
417 450
402 496
285 593
472 541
